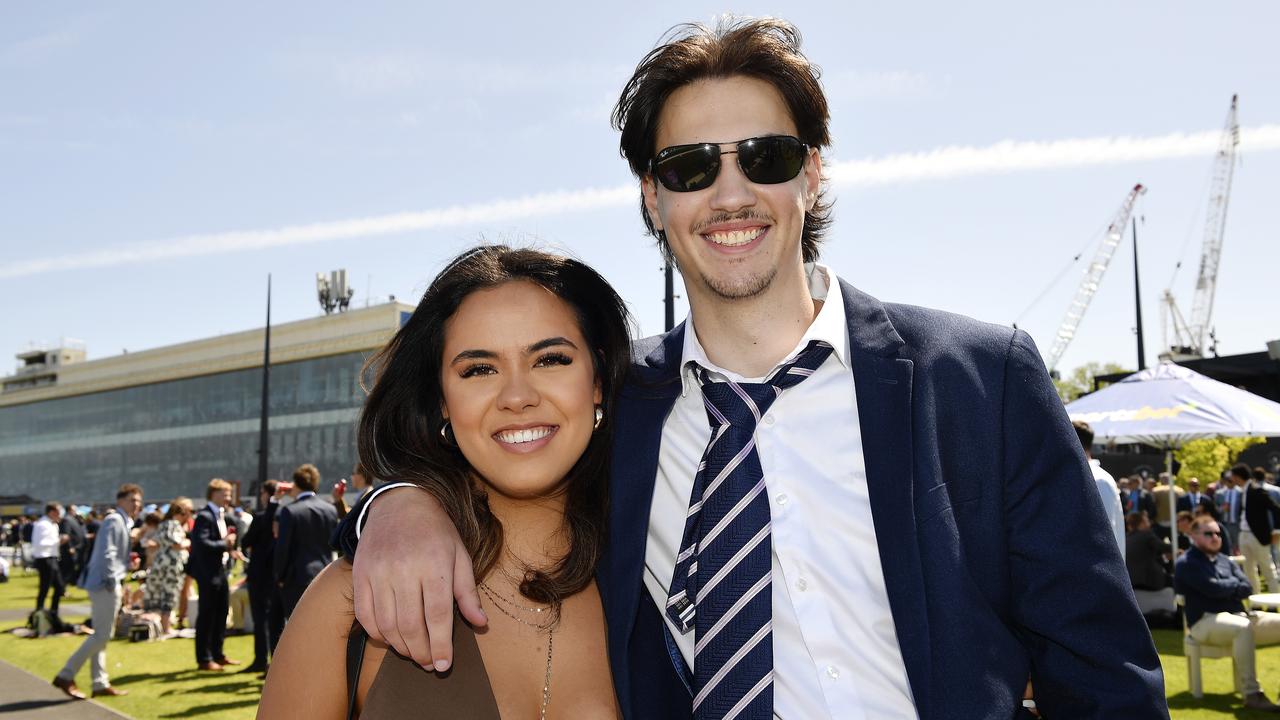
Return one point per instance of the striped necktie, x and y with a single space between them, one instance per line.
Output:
722 585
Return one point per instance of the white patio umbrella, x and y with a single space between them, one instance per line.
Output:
1168 405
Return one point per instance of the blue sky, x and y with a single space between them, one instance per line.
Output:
159 160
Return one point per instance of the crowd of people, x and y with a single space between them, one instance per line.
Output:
158 569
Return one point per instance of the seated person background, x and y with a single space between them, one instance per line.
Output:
1144 554
1214 587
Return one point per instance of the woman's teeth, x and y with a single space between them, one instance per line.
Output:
526 435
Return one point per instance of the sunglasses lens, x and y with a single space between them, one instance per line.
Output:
771 160
687 168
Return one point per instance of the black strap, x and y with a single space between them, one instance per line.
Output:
356 641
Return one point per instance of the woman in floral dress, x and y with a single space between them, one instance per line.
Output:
164 579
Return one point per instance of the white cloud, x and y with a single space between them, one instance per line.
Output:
940 164
1010 156
554 203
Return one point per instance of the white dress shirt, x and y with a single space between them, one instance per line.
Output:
44 539
1110 495
835 647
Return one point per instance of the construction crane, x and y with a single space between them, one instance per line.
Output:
1092 278
1189 338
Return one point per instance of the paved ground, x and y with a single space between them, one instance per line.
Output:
24 696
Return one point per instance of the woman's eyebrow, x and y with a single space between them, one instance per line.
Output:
549 342
473 355
479 354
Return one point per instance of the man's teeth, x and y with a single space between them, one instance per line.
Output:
524 436
735 237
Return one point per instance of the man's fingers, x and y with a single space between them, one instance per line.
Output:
437 606
409 625
464 590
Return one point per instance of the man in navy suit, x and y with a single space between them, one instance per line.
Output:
302 543
259 543
934 524
210 545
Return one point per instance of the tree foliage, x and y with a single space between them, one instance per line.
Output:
1207 459
1080 381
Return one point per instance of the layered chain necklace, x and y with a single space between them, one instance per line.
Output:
547 618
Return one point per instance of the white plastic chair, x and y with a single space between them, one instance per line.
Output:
1194 650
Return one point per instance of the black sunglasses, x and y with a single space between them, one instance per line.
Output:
1211 533
764 160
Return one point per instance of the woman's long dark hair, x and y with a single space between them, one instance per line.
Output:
399 433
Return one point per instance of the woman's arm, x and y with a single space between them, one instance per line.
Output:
308 671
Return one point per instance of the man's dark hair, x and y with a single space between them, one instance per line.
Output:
1260 474
270 486
1085 433
399 436
763 48
1241 471
126 490
50 507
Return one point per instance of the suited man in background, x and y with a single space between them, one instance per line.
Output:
1257 528
210 545
302 541
259 545
1196 499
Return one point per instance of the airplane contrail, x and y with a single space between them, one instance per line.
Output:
944 163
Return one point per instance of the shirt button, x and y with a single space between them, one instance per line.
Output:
802 585
782 499
833 672
768 419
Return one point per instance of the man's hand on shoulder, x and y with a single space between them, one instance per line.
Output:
410 566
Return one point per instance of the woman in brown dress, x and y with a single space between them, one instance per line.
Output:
495 397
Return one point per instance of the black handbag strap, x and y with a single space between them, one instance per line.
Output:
356 641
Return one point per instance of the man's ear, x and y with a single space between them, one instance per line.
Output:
649 190
812 178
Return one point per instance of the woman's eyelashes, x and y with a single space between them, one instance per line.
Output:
547 360
554 358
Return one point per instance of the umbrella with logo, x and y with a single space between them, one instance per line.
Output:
1169 405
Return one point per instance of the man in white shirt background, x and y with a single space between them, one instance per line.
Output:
46 543
1107 490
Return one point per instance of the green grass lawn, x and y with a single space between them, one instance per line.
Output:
163 683
161 677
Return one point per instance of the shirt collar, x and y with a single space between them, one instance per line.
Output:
305 494
830 326
216 508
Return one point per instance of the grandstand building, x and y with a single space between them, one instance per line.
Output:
171 418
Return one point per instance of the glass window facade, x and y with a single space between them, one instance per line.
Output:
172 437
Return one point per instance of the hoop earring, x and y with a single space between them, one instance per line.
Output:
599 416
446 434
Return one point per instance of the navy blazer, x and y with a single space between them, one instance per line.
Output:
998 559
206 558
302 548
1210 586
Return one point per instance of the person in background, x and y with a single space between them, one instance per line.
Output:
302 544
147 538
1144 554
345 497
1107 490
258 544
210 545
71 555
104 579
46 542
1214 587
165 576
1257 528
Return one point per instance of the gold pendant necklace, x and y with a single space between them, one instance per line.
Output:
549 627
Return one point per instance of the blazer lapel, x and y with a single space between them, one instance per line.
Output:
883 383
642 405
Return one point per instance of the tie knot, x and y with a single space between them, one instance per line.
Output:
742 404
